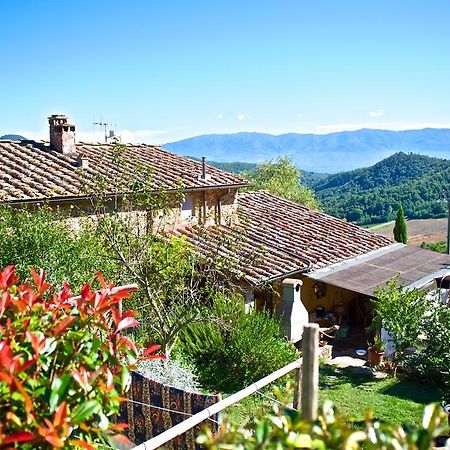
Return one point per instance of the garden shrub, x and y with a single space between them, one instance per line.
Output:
419 322
64 362
432 355
41 238
286 430
236 350
401 312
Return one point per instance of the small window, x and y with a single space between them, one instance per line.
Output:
187 207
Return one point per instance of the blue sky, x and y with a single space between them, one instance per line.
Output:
164 70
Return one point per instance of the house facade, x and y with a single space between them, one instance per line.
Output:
338 265
63 173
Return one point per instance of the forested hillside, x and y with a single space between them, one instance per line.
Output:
372 194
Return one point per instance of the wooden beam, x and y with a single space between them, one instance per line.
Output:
297 388
310 375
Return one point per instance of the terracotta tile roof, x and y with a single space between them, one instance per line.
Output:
32 171
295 229
286 237
245 256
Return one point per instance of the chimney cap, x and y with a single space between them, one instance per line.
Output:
57 116
83 161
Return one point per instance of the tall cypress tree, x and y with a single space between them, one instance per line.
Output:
400 232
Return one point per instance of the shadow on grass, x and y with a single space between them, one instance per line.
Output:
413 390
356 376
400 387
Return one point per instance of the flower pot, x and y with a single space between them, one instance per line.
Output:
375 357
447 410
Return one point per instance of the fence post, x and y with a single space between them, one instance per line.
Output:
310 375
297 387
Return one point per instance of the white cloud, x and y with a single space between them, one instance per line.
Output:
220 116
242 116
377 113
126 136
137 136
299 115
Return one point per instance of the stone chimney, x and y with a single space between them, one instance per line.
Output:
292 311
62 134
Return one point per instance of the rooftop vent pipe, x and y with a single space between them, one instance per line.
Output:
204 175
83 161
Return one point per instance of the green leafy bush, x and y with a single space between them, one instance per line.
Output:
419 326
440 247
432 356
286 430
401 312
236 349
41 238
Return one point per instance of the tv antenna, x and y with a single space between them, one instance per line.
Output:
102 124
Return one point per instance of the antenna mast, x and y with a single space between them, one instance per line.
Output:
103 124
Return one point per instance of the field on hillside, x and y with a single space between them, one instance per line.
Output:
419 230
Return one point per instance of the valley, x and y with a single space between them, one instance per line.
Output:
430 231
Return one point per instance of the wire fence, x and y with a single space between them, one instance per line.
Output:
306 388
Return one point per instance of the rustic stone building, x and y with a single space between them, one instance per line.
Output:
63 172
338 265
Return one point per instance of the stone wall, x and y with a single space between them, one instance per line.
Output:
207 207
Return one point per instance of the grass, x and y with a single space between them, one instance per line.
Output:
374 226
395 400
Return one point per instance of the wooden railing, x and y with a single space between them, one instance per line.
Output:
306 390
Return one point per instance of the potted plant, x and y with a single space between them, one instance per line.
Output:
376 351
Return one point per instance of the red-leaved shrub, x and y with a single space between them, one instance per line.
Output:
63 362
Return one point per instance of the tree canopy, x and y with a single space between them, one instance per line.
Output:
283 178
371 195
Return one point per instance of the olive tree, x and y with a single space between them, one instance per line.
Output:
176 282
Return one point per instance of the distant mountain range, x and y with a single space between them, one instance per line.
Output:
329 153
12 137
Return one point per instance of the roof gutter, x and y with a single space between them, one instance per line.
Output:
284 275
73 198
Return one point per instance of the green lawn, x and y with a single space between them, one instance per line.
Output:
396 400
